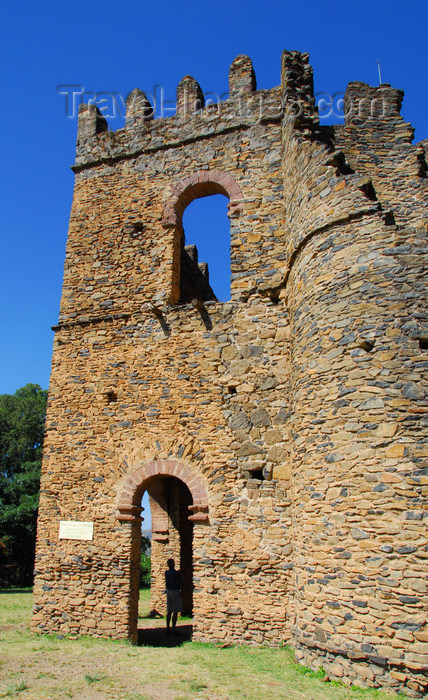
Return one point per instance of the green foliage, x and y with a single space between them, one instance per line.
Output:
22 419
145 570
145 562
146 544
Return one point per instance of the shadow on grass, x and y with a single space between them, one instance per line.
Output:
159 637
15 590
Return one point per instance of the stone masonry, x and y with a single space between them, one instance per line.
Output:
281 436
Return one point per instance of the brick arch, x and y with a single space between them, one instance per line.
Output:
200 184
128 506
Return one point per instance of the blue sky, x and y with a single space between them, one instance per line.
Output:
115 47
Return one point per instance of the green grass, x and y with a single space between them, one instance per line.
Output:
93 679
33 667
144 606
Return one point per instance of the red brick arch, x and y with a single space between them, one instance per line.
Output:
200 184
128 507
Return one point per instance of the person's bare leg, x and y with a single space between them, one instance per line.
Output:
174 620
168 620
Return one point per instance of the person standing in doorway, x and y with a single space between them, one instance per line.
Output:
174 603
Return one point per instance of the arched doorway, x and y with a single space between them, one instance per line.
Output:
172 537
178 501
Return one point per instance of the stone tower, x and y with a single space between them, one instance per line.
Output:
281 436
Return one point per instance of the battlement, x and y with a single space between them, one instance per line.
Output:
194 118
149 135
370 108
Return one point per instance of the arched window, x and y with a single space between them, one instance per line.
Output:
206 242
188 280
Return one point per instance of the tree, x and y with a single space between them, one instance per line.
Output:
22 419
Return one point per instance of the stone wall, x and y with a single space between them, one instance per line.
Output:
280 435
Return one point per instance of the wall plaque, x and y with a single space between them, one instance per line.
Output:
76 530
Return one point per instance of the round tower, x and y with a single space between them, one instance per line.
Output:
358 408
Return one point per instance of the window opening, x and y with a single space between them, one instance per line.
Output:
205 268
367 345
257 474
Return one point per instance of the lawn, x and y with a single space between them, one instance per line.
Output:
33 666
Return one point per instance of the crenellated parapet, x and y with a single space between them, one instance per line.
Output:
244 108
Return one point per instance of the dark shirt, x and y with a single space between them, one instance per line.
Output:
173 580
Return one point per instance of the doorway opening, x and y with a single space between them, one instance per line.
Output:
178 502
167 498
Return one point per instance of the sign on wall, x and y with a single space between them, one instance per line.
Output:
76 530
